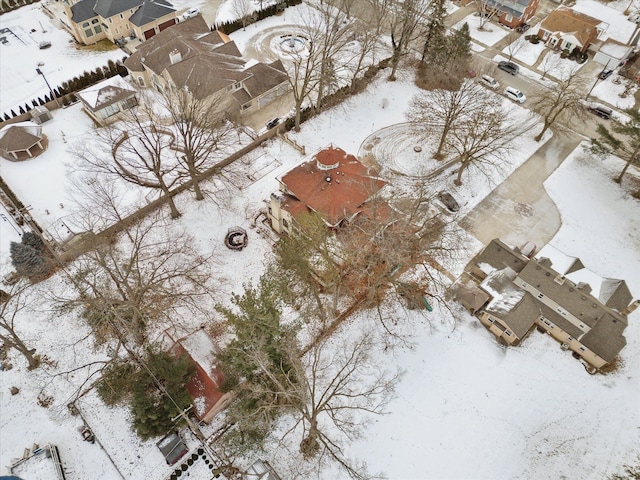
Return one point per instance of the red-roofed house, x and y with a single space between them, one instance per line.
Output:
208 400
332 183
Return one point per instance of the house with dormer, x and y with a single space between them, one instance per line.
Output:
106 101
90 21
331 183
582 311
207 64
566 29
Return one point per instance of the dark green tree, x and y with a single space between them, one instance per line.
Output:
30 262
255 361
154 407
434 37
626 145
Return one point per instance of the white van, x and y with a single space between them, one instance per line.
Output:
515 94
488 81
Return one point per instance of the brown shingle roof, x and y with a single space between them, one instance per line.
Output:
17 138
262 78
566 20
337 193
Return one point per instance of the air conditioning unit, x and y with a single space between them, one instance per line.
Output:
564 346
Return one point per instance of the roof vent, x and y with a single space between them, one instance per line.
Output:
559 279
175 57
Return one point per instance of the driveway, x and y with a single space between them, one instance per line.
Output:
519 209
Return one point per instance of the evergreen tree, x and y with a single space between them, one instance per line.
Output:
459 46
21 109
113 69
34 102
13 113
40 101
6 117
259 337
435 31
152 409
27 107
34 241
29 262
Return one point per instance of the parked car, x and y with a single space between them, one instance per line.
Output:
515 94
606 73
488 81
509 67
601 111
523 27
449 202
192 12
272 123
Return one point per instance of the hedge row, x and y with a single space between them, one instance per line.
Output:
271 10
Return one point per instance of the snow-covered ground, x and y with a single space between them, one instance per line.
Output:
467 407
61 62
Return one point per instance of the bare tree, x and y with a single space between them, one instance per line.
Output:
516 43
201 128
627 147
150 274
487 11
562 98
550 62
438 113
405 26
139 152
485 137
329 392
12 305
243 11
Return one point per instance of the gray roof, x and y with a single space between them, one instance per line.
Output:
500 255
109 8
83 10
262 78
577 302
511 7
150 11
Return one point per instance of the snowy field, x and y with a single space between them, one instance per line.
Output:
21 56
466 408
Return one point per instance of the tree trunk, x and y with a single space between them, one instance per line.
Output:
458 180
624 170
175 213
196 184
544 129
309 446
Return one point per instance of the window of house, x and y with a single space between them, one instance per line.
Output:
85 24
562 311
507 333
122 15
141 81
129 103
111 20
97 29
508 18
94 21
110 110
582 326
582 349
270 211
524 285
541 295
88 32
285 223
569 339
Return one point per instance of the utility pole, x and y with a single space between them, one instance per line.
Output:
40 72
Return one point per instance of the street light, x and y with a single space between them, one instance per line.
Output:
49 86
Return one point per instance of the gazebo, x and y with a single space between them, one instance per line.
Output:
21 141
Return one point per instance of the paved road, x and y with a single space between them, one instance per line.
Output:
520 209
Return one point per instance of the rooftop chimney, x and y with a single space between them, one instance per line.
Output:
175 56
631 307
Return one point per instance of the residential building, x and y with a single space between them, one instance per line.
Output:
331 183
90 21
106 100
585 313
21 141
566 29
512 13
207 64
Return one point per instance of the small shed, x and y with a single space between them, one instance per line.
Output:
21 141
40 114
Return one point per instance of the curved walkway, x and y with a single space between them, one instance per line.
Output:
519 209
